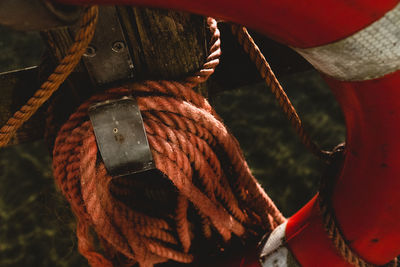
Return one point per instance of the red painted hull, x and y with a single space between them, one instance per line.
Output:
304 23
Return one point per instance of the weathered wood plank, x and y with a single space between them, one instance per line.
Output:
163 45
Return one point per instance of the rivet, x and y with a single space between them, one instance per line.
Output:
118 46
90 51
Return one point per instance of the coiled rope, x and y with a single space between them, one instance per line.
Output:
226 200
205 181
63 70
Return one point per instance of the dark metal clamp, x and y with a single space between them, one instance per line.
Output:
121 137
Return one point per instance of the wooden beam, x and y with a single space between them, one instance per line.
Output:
163 45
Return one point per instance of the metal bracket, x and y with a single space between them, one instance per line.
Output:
121 137
107 58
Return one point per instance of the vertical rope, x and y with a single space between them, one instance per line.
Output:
329 220
272 82
62 71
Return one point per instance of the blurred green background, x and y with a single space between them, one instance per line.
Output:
36 225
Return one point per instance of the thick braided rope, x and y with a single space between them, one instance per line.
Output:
272 82
212 59
62 71
187 144
191 147
175 88
329 220
193 80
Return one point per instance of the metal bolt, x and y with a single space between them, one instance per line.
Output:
90 51
118 46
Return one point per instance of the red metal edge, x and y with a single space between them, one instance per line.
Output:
308 241
302 24
366 197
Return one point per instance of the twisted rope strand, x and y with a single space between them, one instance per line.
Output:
180 134
329 220
212 60
62 71
204 119
335 234
272 82
182 223
208 166
188 141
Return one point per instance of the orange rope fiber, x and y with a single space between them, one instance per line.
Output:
251 48
329 219
62 71
201 195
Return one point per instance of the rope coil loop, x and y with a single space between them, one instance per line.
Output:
201 195
191 148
